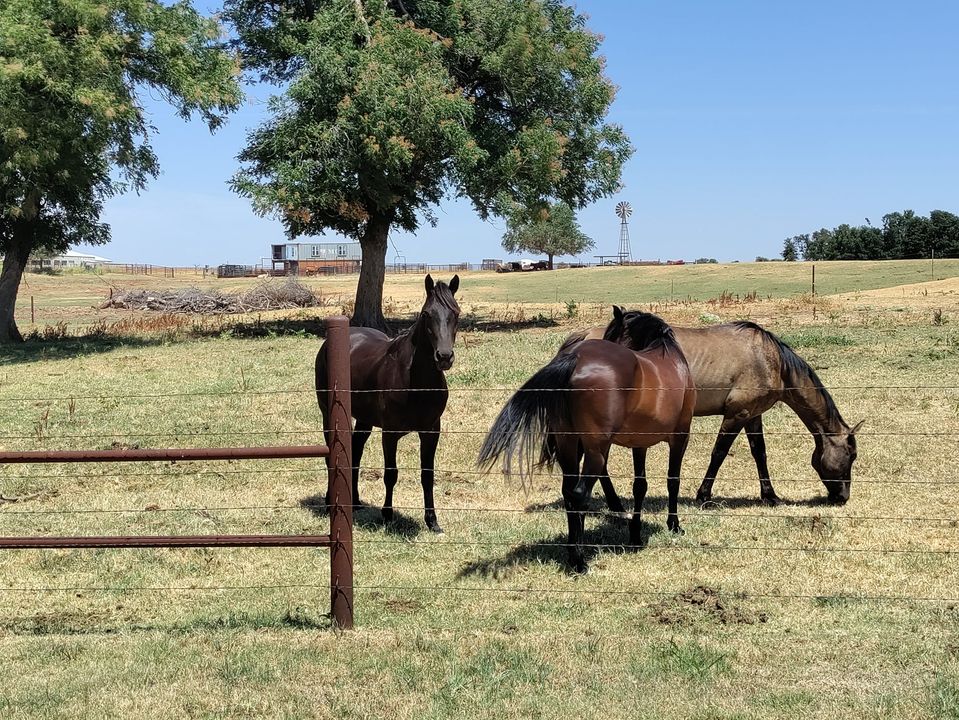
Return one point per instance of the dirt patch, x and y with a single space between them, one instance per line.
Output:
704 602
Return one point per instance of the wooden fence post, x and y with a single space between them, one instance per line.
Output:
340 469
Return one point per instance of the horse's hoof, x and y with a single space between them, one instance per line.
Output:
770 500
387 515
674 527
578 567
436 529
703 498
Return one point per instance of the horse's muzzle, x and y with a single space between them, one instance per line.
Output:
838 491
444 361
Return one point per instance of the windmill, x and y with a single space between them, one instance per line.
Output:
624 210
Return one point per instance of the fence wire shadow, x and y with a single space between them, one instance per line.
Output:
659 503
368 517
607 535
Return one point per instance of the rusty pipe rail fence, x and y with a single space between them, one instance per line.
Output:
340 538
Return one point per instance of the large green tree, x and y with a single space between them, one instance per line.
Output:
73 131
549 231
391 105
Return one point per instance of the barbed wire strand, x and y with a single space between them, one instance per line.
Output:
441 474
312 391
470 589
380 431
313 508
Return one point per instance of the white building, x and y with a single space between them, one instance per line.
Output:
69 259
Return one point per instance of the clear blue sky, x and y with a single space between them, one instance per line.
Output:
752 121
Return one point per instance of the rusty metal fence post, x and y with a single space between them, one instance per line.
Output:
341 471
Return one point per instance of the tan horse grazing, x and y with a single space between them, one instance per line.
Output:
595 396
741 370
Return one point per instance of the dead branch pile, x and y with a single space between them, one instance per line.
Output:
265 296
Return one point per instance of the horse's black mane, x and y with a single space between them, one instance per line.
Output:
793 368
642 331
442 295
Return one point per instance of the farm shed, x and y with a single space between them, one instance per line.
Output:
325 258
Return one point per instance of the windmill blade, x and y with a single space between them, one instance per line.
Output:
624 210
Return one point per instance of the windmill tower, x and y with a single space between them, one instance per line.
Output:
624 210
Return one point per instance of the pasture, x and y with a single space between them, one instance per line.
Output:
803 609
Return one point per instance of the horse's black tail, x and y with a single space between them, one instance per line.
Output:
531 414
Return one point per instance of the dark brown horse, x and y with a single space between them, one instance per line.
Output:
399 385
741 370
593 397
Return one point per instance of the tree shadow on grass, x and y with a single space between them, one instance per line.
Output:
316 327
71 347
96 623
369 517
609 536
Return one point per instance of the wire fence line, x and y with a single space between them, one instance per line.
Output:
440 473
311 507
239 392
578 591
45 436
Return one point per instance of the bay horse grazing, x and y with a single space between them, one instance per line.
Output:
741 370
399 385
591 398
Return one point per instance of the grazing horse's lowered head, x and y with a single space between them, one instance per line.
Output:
436 324
804 392
833 459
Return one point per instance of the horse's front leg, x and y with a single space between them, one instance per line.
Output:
757 445
428 442
390 472
727 434
361 433
639 495
677 449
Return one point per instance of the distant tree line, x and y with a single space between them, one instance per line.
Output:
903 235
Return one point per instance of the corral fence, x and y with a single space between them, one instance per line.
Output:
340 538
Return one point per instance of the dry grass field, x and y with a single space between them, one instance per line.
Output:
800 610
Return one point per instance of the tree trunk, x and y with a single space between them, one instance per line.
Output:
550 256
14 262
368 309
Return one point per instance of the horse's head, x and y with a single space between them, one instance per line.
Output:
438 317
638 330
833 459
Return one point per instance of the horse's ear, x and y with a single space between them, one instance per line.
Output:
617 313
429 284
454 284
857 427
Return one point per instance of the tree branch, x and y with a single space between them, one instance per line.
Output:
361 16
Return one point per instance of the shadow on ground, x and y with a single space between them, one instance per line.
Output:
36 350
607 535
100 623
316 327
369 517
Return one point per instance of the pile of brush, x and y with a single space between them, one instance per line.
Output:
265 296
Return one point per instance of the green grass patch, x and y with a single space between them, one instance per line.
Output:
945 698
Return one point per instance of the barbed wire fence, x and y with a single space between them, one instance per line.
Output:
14 506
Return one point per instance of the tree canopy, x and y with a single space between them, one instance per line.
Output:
73 131
391 105
903 235
549 231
